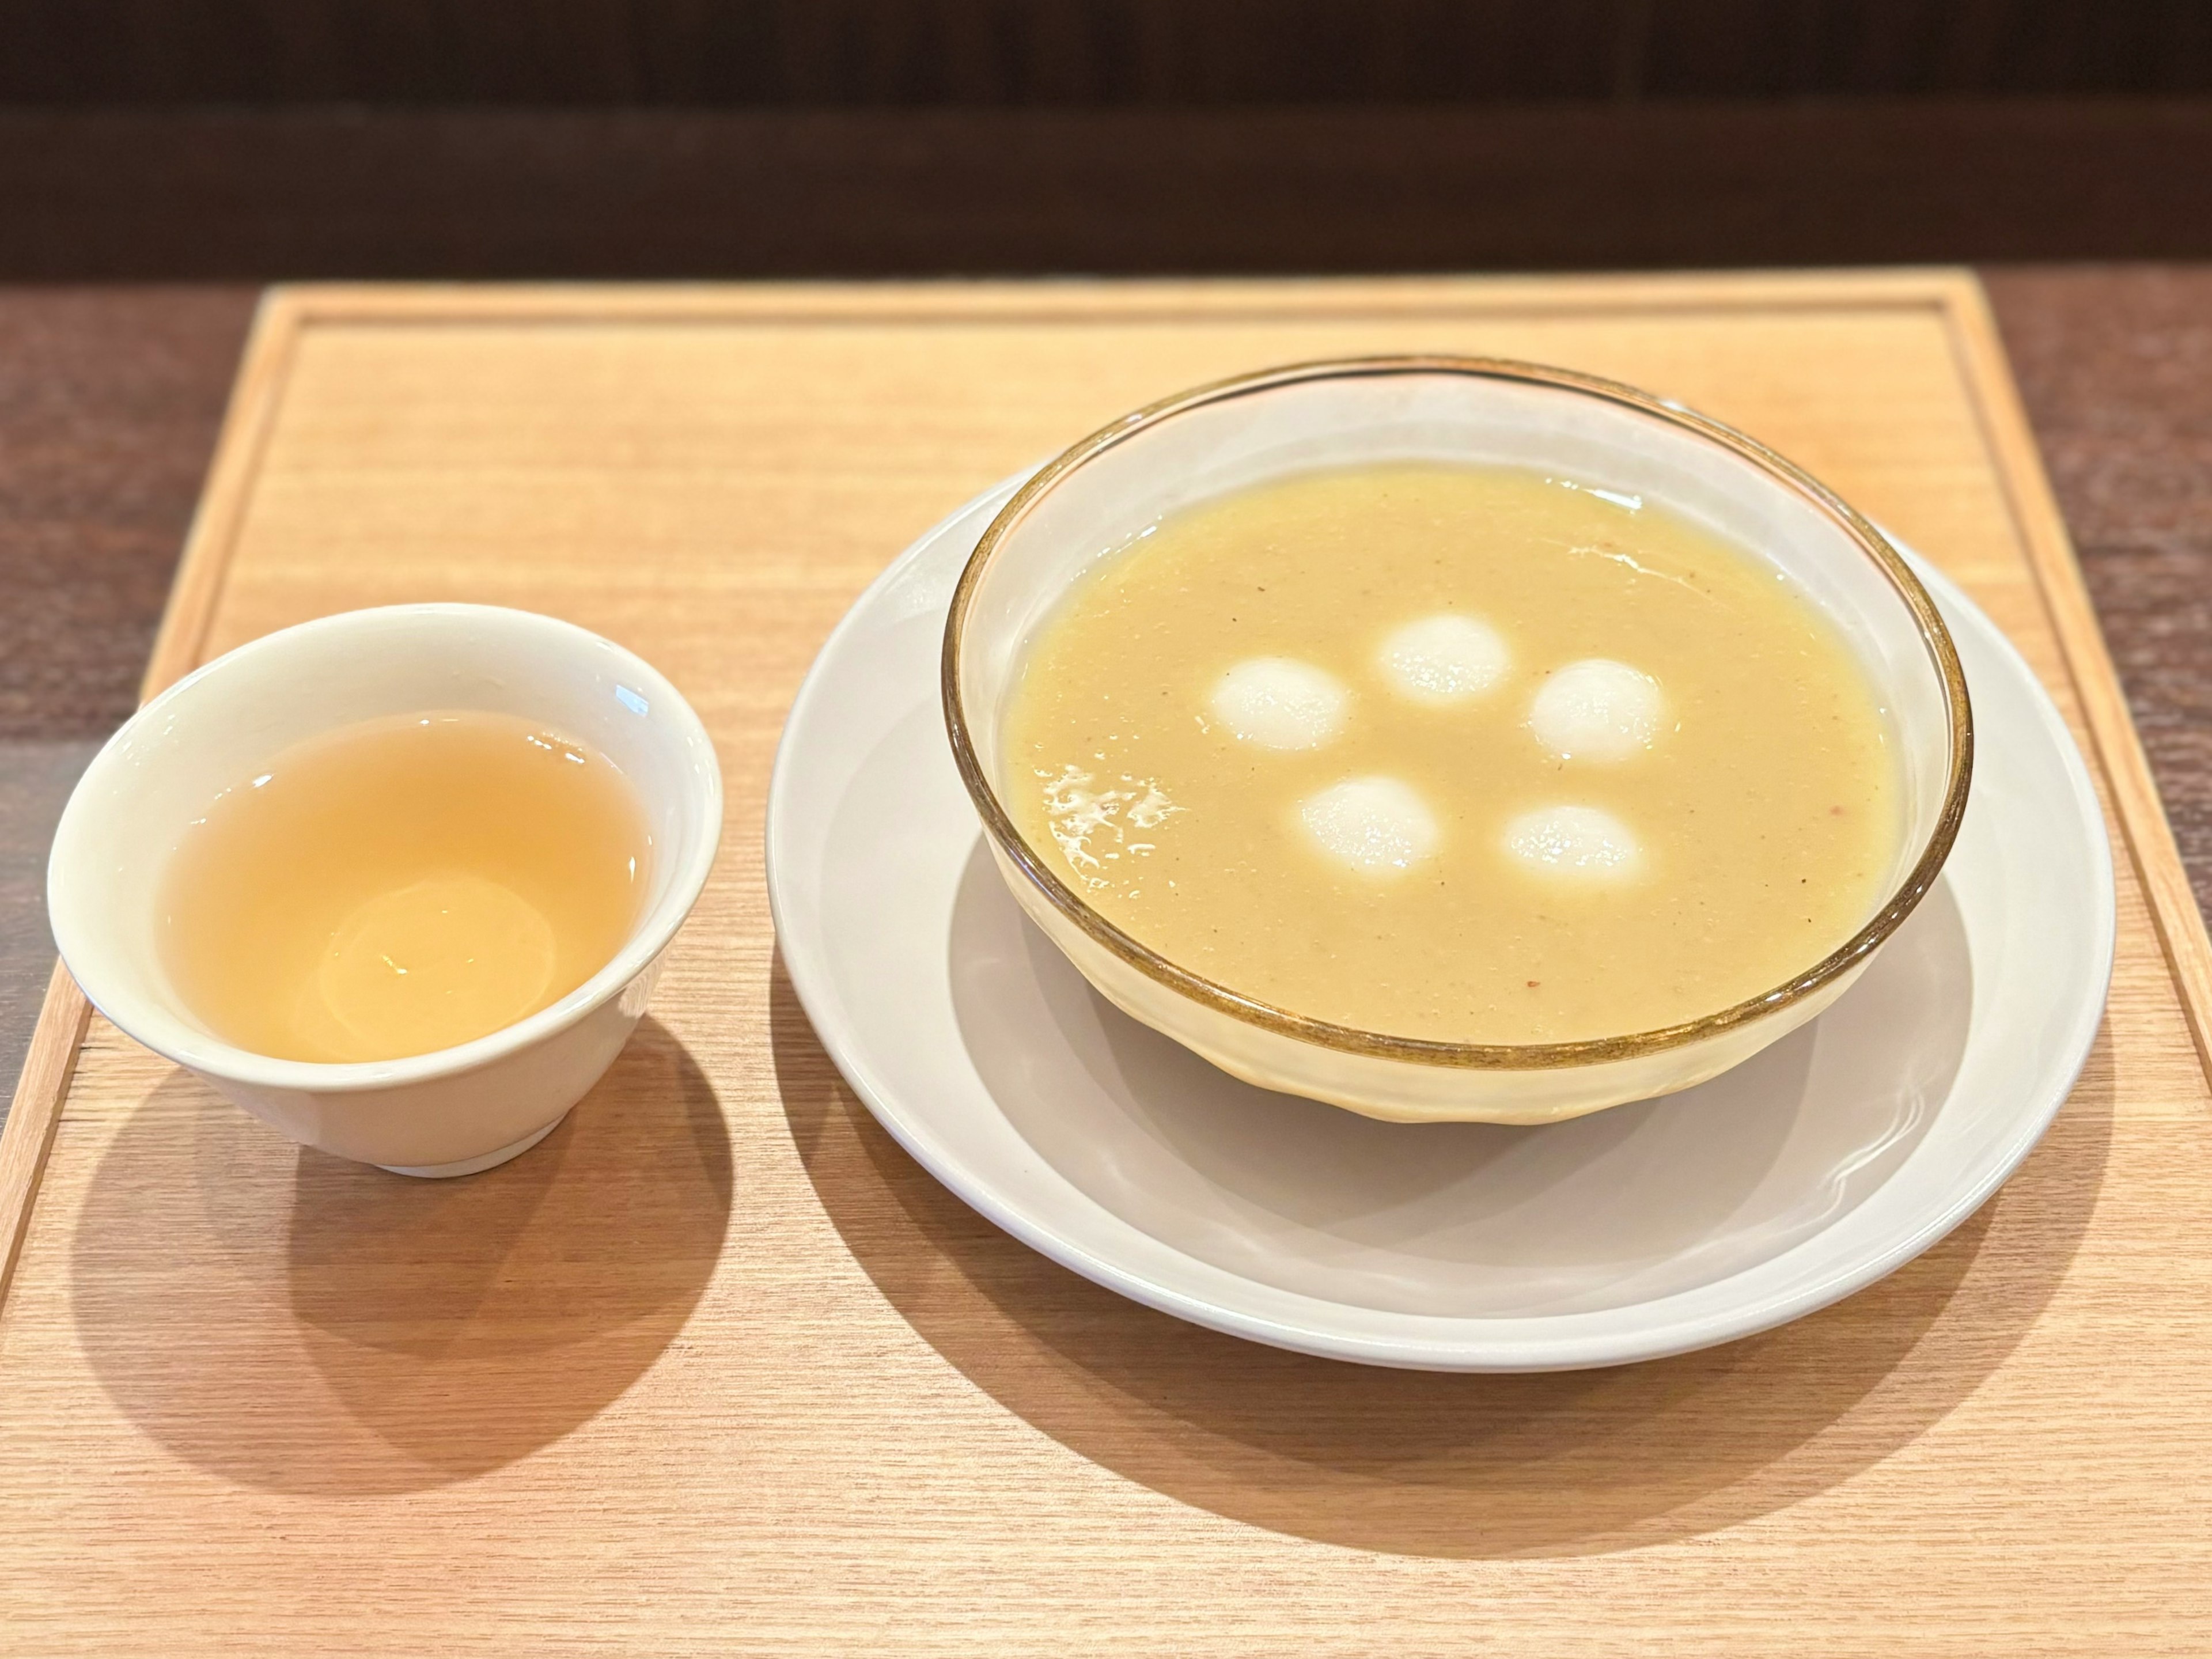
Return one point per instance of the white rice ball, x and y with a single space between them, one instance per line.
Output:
1445 658
1279 702
1597 710
1574 843
1375 825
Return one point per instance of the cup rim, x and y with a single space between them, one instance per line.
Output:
200 1051
1845 959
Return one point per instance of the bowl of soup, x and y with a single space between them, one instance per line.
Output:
1453 739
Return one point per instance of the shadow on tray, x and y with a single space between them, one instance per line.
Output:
1425 1464
365 1332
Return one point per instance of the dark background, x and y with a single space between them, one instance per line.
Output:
253 139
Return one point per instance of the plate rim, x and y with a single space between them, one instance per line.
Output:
1440 1351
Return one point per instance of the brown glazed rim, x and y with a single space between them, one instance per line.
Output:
1430 1051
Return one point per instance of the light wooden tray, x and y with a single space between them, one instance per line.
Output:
718 1370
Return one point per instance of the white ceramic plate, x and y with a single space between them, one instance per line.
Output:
1814 1169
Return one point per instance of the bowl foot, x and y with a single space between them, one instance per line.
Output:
472 1165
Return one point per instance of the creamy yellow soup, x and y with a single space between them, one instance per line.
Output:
1464 753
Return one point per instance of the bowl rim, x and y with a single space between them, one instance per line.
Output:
1845 959
76 925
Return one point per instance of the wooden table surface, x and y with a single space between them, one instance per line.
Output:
110 398
720 1370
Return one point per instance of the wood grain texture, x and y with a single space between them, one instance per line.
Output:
39 1091
2115 366
718 1370
51 1058
178 647
109 402
2126 769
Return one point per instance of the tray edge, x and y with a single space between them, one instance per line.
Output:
58 1039
2119 754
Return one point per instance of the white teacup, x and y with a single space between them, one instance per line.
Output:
458 1109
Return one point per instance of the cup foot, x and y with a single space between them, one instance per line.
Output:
472 1165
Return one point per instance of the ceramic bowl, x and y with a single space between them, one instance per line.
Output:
458 1109
1087 505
